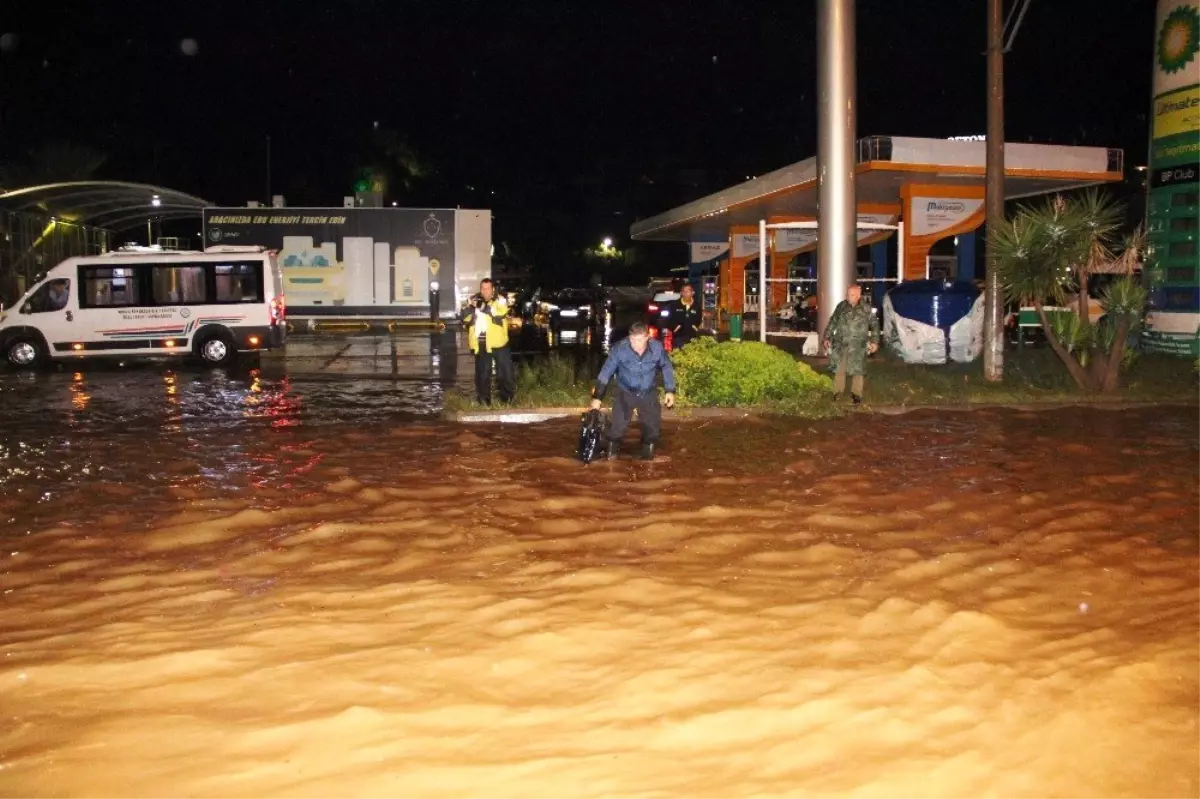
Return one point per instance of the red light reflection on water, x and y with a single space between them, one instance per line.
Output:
274 402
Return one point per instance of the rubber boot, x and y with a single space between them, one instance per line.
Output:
647 450
614 447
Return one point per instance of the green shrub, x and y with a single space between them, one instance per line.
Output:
555 381
749 373
552 381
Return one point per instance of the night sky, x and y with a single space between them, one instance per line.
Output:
569 119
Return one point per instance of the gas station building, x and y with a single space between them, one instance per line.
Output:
924 190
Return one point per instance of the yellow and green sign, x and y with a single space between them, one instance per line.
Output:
1173 210
1176 113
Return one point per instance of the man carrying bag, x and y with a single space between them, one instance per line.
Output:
635 362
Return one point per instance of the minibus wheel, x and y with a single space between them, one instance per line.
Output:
24 352
216 350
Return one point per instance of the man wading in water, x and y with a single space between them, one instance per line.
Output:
852 334
636 362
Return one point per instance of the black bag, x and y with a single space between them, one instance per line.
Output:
591 435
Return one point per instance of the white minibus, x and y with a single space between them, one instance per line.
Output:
147 301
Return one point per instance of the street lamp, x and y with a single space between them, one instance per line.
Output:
155 202
434 296
607 243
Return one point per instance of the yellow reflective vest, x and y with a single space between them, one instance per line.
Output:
497 325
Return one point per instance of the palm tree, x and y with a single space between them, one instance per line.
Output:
393 165
1049 250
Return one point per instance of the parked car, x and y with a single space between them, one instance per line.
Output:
569 308
661 284
658 310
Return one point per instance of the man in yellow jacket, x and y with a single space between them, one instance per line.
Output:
487 333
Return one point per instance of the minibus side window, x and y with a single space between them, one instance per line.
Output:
239 282
178 285
110 287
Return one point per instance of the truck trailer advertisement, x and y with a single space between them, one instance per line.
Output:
365 262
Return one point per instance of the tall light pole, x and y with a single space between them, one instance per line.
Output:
993 299
837 103
269 203
155 202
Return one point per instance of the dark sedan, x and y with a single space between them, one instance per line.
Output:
570 308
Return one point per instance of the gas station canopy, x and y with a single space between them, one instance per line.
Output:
885 164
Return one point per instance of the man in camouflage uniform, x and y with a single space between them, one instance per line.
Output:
851 334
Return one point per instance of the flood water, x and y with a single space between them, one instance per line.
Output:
262 584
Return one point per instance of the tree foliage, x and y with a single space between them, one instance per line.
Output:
1046 253
390 164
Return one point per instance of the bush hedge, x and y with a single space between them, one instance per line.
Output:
748 374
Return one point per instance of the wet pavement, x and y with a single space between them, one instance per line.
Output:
296 580
407 355
352 380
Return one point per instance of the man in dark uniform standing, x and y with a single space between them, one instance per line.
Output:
684 317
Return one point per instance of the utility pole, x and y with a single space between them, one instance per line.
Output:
993 314
268 202
837 107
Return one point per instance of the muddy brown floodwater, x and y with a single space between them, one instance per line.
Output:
986 604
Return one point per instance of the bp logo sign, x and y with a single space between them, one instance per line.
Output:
1178 39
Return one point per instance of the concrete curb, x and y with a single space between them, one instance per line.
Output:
535 415
512 415
1032 407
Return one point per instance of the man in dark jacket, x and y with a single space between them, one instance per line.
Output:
684 317
636 362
